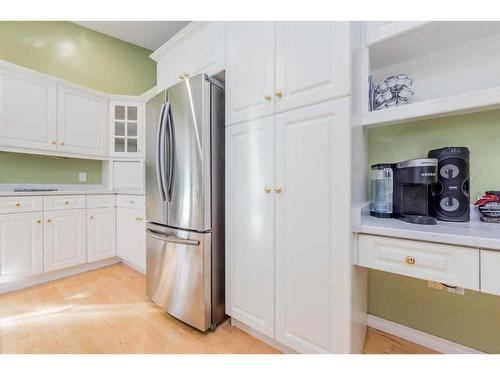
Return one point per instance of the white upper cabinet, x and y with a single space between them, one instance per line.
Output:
101 233
312 63
82 122
28 116
250 223
64 239
199 48
250 63
127 129
377 31
21 245
312 233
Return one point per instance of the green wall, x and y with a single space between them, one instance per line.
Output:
474 319
76 54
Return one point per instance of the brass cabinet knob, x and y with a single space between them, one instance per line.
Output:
138 218
91 217
279 94
184 76
268 98
54 142
267 189
62 143
131 202
39 221
67 202
410 260
278 189
18 204
49 221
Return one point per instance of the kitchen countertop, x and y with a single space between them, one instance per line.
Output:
8 190
474 233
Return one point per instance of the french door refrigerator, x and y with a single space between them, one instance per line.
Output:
185 201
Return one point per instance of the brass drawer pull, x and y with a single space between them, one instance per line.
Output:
18 204
410 260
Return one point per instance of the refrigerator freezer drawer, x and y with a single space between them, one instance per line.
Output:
178 273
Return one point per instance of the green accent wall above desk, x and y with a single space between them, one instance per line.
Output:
472 320
76 54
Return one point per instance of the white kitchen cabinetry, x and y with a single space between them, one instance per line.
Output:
21 245
490 272
312 63
279 66
199 48
250 55
28 110
82 122
283 231
101 229
64 239
312 168
131 236
127 129
250 223
377 31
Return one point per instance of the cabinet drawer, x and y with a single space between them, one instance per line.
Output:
490 272
63 202
131 201
101 201
20 204
451 265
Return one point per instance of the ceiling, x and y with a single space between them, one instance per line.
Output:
147 34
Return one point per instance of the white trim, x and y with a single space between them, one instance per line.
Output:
418 337
55 275
262 337
178 39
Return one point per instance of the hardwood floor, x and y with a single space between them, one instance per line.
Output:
379 342
107 311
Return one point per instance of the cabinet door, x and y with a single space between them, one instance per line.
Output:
490 272
127 130
64 239
28 110
82 119
21 245
101 234
206 52
249 71
313 228
131 236
312 63
250 224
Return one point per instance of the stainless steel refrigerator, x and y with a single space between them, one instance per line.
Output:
185 201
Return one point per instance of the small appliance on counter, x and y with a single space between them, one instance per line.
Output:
381 190
412 184
450 195
489 207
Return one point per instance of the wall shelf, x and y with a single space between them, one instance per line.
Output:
464 103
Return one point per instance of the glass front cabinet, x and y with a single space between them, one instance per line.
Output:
127 129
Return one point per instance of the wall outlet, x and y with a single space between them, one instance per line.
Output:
435 285
456 290
82 176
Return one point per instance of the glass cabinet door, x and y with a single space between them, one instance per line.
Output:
126 129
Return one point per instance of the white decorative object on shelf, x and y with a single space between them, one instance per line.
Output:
391 92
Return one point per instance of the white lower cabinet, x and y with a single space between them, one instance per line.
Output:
286 226
101 230
490 272
21 245
64 239
131 236
249 223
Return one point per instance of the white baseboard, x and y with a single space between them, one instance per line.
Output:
419 337
28 281
268 340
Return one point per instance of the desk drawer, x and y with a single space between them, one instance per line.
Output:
101 201
452 265
131 201
63 202
20 204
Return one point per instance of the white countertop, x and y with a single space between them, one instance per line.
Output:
7 190
474 233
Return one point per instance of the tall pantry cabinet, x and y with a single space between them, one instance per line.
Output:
288 182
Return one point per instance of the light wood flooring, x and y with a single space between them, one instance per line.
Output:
107 311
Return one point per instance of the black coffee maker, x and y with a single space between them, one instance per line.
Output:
411 191
450 195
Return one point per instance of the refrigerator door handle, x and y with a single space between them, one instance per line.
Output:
171 151
159 135
163 155
164 238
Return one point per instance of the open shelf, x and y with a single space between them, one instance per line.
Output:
464 103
